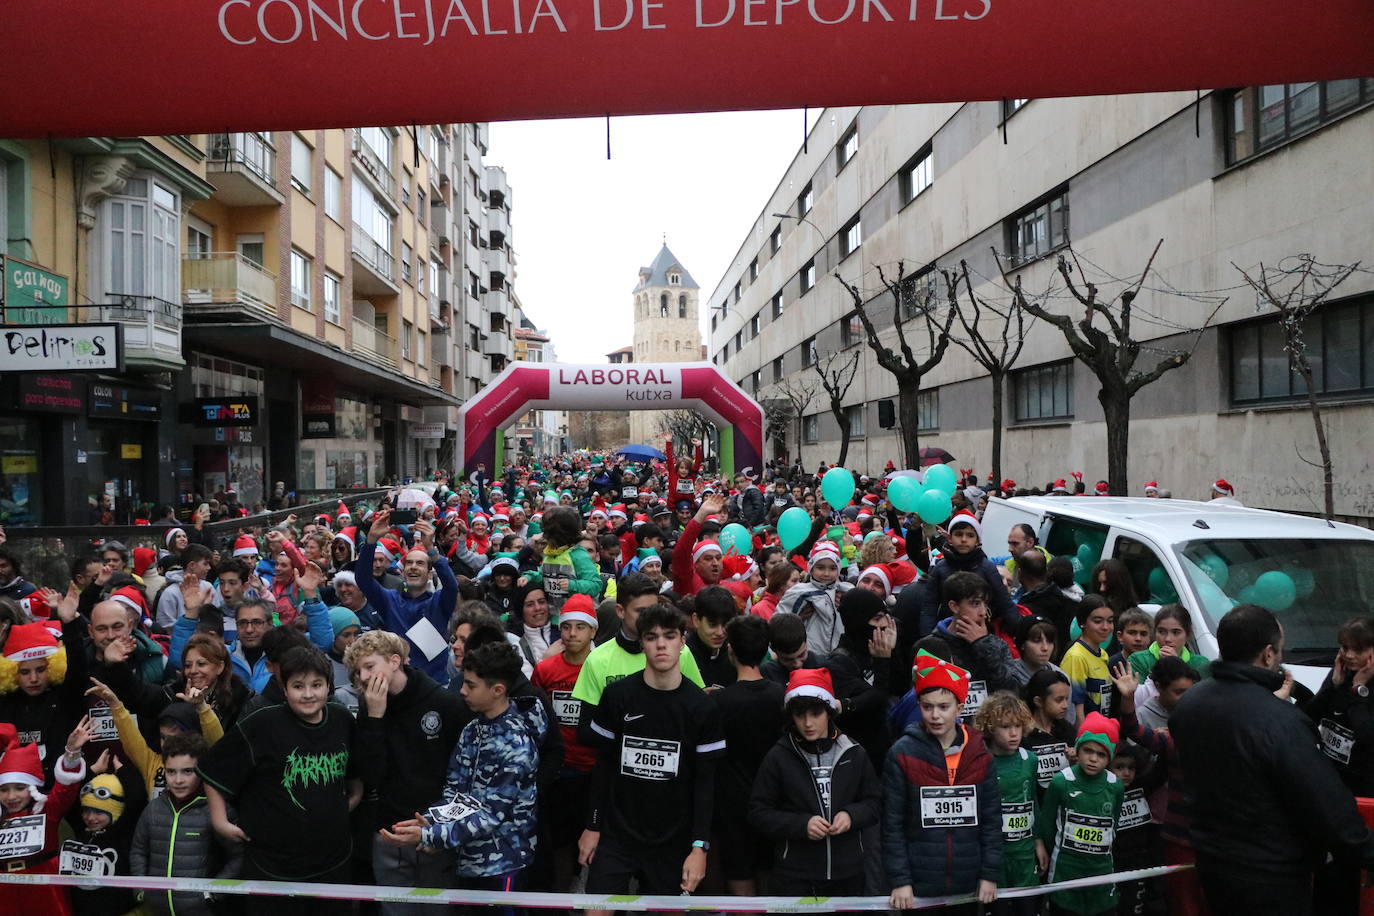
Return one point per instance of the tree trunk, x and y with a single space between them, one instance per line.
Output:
838 412
800 421
997 389
1328 491
1116 410
909 418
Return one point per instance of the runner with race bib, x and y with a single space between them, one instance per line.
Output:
1003 719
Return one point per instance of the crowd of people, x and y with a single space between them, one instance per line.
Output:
592 675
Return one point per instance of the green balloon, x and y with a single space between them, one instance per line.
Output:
735 538
1161 586
1086 554
837 486
1216 569
933 507
1275 590
793 527
1081 571
1303 581
941 477
903 492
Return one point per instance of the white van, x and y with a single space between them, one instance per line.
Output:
1205 556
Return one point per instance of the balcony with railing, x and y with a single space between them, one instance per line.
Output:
497 264
498 223
152 329
375 169
496 302
376 273
440 224
214 279
243 167
498 343
374 345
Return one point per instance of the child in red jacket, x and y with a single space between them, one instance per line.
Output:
30 820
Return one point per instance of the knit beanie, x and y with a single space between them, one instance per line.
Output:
1098 729
932 673
104 793
341 618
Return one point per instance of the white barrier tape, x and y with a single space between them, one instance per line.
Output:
558 901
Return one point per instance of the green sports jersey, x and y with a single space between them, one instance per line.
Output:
1078 820
611 661
1016 778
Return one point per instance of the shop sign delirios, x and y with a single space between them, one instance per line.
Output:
62 348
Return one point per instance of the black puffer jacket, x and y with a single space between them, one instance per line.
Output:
1264 795
195 851
786 797
931 610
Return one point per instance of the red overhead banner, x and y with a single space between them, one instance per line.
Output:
130 67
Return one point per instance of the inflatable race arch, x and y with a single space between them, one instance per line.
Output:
611 386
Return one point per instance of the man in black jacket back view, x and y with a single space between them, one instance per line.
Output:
1268 805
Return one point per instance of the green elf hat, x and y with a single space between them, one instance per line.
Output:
648 555
933 673
1098 729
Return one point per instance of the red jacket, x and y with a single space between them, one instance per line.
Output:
685 578
42 898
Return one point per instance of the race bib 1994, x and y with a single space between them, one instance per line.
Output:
1050 759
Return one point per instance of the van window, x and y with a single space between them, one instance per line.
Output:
1068 534
1311 585
1148 575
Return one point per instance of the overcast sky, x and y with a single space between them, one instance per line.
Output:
582 226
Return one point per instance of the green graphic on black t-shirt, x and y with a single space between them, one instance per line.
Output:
304 770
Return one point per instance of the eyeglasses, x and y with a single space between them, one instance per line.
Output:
104 793
251 623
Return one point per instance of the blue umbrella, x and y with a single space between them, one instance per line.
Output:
641 453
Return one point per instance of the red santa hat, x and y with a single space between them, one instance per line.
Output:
1060 486
245 546
899 545
811 682
738 567
932 673
21 763
144 558
618 511
965 517
578 608
824 550
29 642
1225 489
480 517
1101 488
1007 486
132 598
389 548
703 548
171 533
324 518
893 576
863 514
597 511
343 512
1152 487
36 606
500 514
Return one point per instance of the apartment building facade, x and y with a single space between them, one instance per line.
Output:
1242 176
303 306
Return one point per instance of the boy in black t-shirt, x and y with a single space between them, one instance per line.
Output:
713 608
655 772
289 772
749 709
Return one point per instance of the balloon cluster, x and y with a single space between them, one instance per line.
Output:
928 497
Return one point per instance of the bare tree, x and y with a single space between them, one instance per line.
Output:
684 426
1110 354
996 352
836 374
1295 289
796 392
911 299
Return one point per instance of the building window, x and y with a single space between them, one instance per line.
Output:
421 211
406 254
920 291
775 240
851 329
378 139
755 382
811 429
674 279
725 352
142 240
301 163
434 281
848 146
663 305
928 410
808 276
753 270
407 331
737 292
777 369
1263 117
405 190
754 324
1012 106
331 299
333 195
713 321
682 305
851 237
854 419
810 356
777 305
474 285
1044 392
916 175
370 216
421 342
805 201
1039 229
300 280
1340 351
739 340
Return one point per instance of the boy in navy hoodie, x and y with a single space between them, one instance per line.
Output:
942 811
963 553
